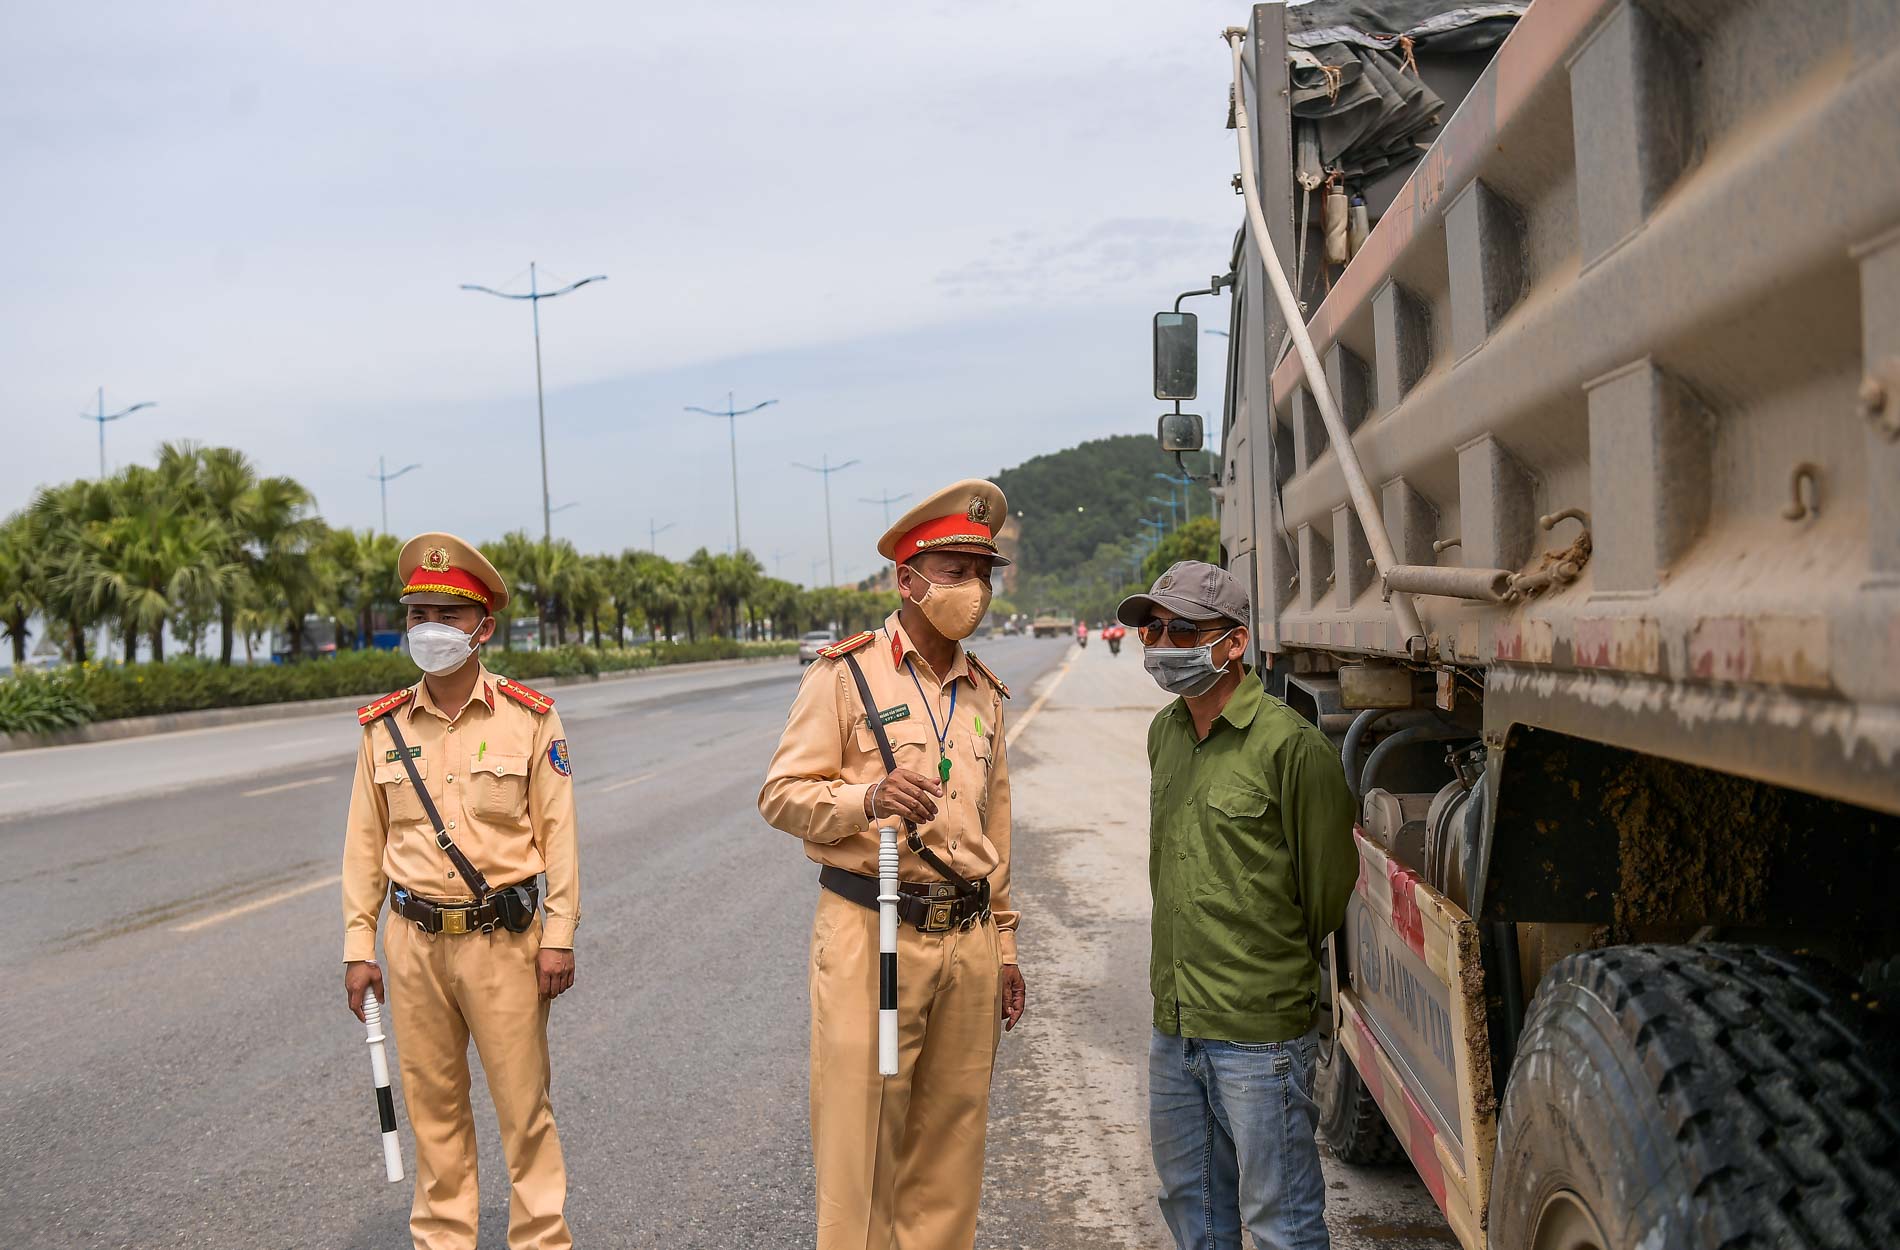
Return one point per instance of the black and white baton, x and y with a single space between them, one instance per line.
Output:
379 1068
887 950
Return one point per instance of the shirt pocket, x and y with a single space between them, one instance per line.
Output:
399 794
911 743
499 783
1237 825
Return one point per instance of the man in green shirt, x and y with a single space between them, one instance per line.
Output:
1251 862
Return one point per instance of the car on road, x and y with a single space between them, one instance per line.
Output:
811 640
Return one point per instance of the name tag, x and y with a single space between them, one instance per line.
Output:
392 754
890 714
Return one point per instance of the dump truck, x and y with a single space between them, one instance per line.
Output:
1566 480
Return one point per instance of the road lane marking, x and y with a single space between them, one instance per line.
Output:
631 781
8 785
288 785
1015 731
244 908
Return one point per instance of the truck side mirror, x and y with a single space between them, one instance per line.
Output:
1179 431
1177 355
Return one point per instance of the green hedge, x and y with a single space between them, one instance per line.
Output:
42 702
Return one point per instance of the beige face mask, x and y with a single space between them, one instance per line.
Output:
957 609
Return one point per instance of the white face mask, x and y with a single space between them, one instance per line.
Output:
437 648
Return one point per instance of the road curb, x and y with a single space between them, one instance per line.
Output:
214 717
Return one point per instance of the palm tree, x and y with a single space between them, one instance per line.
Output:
227 489
656 587
55 524
19 583
364 563
281 537
146 557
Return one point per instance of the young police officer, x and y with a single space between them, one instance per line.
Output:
1251 862
463 797
900 1160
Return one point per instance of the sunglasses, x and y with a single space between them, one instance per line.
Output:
1179 632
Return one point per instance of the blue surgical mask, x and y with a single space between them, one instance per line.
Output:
1185 671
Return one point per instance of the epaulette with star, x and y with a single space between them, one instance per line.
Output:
388 703
984 669
839 649
527 697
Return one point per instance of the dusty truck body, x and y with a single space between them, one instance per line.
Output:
1595 579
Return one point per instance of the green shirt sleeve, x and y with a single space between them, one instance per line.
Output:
1319 819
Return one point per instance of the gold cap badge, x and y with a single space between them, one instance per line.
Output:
979 510
435 559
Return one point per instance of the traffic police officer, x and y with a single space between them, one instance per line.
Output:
485 791
900 1159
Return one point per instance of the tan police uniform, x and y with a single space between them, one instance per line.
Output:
900 1159
497 769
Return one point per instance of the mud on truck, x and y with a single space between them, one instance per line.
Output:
1563 461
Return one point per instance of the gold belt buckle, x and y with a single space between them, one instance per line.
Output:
940 917
454 919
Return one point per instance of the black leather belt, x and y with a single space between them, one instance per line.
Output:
927 906
466 917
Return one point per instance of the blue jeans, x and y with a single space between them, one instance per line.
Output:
1232 1125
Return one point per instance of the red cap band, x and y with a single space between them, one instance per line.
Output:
944 531
450 581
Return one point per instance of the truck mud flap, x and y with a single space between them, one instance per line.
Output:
1412 1016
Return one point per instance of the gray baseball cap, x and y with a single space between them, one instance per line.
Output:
1191 589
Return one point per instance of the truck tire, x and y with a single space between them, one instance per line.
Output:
1350 1122
1672 1097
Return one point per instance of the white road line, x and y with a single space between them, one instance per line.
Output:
288 785
631 781
256 903
8 785
1016 730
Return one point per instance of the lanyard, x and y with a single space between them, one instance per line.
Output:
943 758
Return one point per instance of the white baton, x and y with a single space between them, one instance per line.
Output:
379 1068
887 950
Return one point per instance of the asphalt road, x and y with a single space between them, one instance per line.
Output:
179 1070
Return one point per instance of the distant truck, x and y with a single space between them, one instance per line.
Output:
1052 626
1592 572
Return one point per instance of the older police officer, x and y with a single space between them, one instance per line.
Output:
900 1159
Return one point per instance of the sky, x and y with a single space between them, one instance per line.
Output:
934 233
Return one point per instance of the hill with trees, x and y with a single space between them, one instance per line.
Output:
1081 541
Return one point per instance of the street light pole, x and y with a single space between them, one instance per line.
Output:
382 477
887 501
732 416
104 417
534 297
654 530
824 468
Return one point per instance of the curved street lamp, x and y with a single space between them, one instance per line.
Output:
534 297
102 417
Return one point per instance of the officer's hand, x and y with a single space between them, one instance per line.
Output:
1015 996
360 976
554 972
907 794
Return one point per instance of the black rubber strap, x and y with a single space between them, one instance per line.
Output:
470 873
912 838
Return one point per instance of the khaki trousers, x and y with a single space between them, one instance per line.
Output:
900 1159
443 990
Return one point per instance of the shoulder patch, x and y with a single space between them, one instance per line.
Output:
847 646
526 696
984 669
388 703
